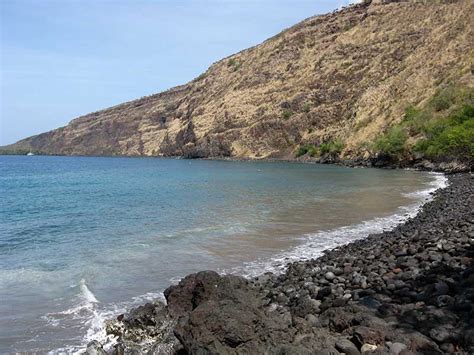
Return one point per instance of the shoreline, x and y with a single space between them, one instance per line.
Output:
310 291
91 315
342 235
309 244
377 162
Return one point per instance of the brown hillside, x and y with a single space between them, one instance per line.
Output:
347 75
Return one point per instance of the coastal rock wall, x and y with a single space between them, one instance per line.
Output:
346 75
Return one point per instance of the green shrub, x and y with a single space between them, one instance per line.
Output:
287 113
302 150
312 151
444 98
234 64
309 149
392 143
415 119
452 136
306 107
337 147
324 148
445 125
331 147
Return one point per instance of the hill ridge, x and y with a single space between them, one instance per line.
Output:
344 76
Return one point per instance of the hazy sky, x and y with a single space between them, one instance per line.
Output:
65 58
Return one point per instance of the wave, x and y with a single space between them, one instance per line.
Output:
84 310
88 296
86 301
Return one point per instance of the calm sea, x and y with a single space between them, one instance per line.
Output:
82 239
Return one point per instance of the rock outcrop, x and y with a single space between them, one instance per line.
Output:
346 75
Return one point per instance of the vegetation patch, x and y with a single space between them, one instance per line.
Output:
331 148
309 149
444 98
451 137
287 113
442 129
306 107
392 143
234 64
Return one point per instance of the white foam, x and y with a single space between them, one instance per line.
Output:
86 301
88 296
84 310
440 181
96 323
149 296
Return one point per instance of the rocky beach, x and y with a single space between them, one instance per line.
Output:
405 291
315 160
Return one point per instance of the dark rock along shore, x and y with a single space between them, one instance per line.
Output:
406 291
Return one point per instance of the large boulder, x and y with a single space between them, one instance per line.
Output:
190 292
225 315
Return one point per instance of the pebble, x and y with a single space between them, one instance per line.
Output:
396 348
368 348
347 347
329 276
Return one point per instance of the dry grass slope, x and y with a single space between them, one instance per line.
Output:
346 76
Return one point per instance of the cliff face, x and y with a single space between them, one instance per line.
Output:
347 75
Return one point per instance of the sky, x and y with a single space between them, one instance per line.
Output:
61 59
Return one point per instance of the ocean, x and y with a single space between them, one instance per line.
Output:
82 239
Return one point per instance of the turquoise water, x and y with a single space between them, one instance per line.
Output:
82 239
